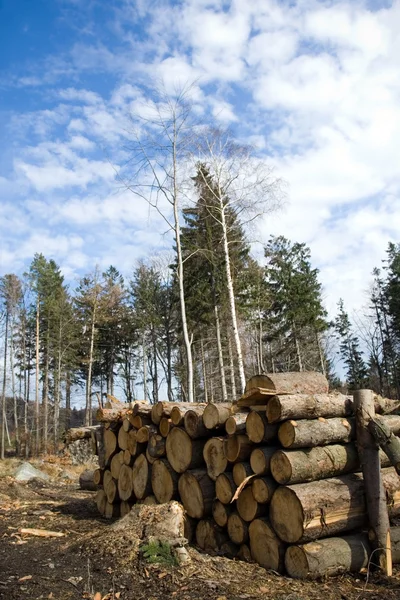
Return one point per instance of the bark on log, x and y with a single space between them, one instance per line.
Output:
389 443
225 487
125 483
221 512
260 460
319 432
240 472
141 477
143 434
86 481
237 448
236 423
164 481
164 409
193 423
259 430
247 506
214 457
368 451
295 466
101 452
301 406
215 415
331 556
263 489
178 412
197 492
308 511
305 382
266 548
183 453
110 415
209 536
80 433
238 530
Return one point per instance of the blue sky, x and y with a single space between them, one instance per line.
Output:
314 85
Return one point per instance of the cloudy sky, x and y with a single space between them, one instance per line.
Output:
314 85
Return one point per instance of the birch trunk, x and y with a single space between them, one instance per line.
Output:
220 355
203 366
3 401
232 304
232 368
88 411
15 408
37 432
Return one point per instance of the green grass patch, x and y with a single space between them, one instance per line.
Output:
159 553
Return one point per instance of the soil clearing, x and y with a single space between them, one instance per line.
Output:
69 567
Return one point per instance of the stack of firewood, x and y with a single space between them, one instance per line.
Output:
263 478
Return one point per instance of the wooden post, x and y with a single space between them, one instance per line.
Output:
374 492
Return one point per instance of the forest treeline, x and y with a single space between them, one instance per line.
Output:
193 328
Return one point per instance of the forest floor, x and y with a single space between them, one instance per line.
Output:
69 568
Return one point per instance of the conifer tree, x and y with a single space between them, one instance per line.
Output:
357 372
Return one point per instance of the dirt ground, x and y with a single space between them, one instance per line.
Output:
69 567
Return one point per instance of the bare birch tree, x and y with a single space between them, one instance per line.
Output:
239 182
159 145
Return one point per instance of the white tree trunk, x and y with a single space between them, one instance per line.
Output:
232 368
232 304
220 355
203 364
177 227
37 424
14 395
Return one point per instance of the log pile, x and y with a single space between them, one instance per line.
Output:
81 444
274 477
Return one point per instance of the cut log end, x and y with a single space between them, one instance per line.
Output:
286 515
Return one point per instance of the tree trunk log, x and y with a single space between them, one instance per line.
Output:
98 476
86 481
240 472
126 424
295 466
111 490
164 481
165 426
125 483
112 511
221 513
266 548
247 506
225 487
214 457
209 536
375 495
263 488
236 423
193 423
389 443
183 453
237 448
101 451
197 492
132 442
238 530
143 434
116 463
244 553
178 412
258 429
215 415
80 433
156 446
306 382
281 408
125 508
319 432
101 501
110 444
141 477
110 415
331 556
308 511
260 460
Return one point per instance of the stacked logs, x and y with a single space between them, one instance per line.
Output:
274 477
